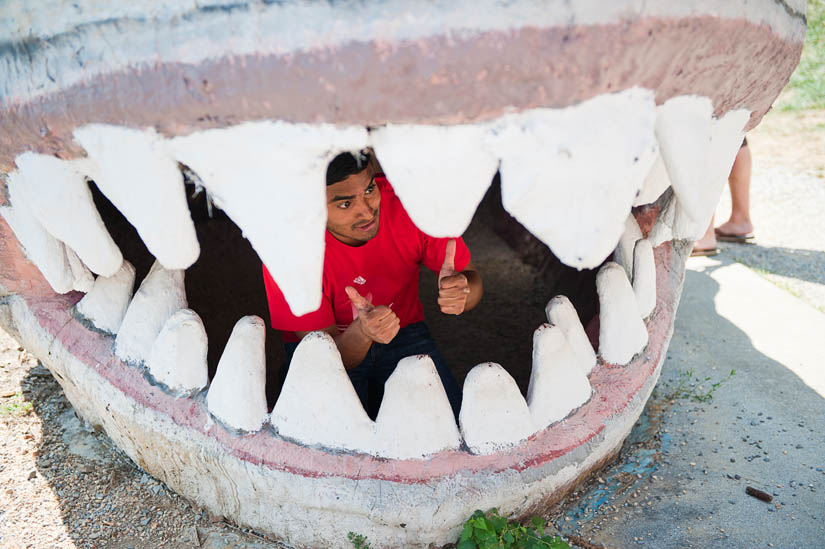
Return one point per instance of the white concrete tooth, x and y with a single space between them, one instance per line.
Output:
662 230
415 418
656 182
675 223
685 227
696 204
494 416
135 172
623 254
450 162
178 356
683 129
160 294
622 332
553 174
318 404
557 383
269 177
644 278
46 252
560 312
61 200
237 394
106 303
726 137
82 278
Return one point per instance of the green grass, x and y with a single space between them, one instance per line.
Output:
15 406
691 388
806 89
492 531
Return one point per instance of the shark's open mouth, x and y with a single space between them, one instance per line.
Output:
613 130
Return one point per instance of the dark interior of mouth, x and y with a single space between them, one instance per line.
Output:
520 275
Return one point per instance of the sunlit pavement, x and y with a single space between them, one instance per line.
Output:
681 480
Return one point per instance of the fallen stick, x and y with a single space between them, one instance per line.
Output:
758 494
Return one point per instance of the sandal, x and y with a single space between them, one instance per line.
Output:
735 238
704 252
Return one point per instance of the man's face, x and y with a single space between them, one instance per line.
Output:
353 208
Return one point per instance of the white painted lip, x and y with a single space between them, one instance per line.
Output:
193 35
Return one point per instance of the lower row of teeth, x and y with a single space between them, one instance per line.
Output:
318 405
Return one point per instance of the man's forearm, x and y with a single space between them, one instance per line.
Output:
353 345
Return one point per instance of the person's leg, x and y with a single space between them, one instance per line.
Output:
707 244
289 350
739 224
414 340
448 380
360 378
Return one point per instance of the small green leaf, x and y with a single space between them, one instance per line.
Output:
499 523
467 532
467 544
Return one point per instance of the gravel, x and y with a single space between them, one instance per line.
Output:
62 485
787 201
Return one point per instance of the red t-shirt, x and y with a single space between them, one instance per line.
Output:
384 270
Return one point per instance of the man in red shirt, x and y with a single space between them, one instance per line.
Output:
370 303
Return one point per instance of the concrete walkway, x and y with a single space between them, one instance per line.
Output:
682 477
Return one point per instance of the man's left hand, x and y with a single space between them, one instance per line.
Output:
453 287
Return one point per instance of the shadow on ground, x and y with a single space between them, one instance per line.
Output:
806 265
681 477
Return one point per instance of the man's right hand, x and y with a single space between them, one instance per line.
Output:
379 324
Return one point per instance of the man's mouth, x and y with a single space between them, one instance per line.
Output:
612 129
368 225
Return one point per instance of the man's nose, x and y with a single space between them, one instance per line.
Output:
364 209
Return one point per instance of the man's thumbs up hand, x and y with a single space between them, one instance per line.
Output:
380 324
360 302
448 268
453 288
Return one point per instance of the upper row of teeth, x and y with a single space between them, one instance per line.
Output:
570 176
268 177
318 404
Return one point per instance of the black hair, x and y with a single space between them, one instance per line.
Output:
345 165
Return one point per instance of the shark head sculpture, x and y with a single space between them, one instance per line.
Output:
612 127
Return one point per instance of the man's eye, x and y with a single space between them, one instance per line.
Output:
370 188
344 205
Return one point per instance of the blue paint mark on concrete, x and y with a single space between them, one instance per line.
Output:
640 462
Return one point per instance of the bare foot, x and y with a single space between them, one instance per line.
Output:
735 229
707 242
705 245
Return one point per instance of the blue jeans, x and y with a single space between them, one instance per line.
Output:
368 377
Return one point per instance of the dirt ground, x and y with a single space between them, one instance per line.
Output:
65 486
794 140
